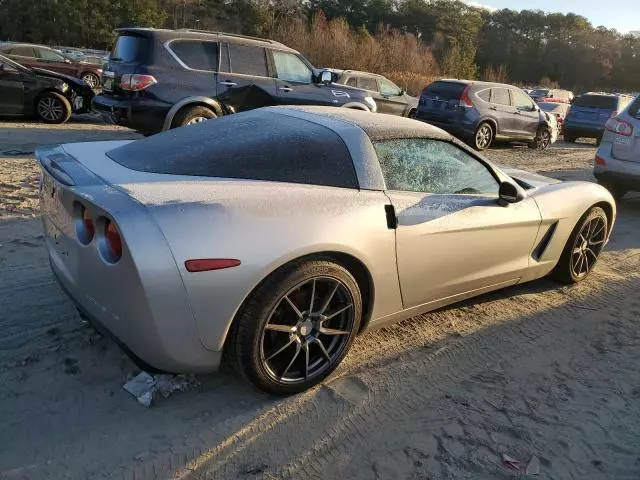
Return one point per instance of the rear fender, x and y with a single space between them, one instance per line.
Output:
191 101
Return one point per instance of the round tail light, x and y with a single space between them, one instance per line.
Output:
87 222
114 241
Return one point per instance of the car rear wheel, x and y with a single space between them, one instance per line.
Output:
483 137
583 247
52 107
297 326
615 189
91 79
192 116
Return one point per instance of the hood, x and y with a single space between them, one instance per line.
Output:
48 73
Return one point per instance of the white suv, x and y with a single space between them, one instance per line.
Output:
617 162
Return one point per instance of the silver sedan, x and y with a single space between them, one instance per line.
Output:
271 238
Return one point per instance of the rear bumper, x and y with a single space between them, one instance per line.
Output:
621 172
581 130
456 128
141 114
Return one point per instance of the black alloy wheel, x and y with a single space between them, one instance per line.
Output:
307 330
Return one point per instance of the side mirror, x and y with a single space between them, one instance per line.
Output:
325 77
509 193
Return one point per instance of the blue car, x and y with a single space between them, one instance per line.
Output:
589 114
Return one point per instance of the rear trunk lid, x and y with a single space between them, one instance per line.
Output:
440 101
131 50
627 147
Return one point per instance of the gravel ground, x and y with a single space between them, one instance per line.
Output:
537 370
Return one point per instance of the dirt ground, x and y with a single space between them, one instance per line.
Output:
536 370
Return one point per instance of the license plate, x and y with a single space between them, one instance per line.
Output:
620 140
78 103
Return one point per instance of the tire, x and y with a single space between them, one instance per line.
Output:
598 141
483 136
274 360
53 107
91 79
412 113
574 250
616 191
192 116
542 140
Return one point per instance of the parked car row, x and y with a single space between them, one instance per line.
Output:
38 56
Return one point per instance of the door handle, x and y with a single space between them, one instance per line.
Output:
286 89
493 108
228 83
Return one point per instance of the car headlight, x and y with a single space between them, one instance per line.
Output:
371 104
64 87
99 71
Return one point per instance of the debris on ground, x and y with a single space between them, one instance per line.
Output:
533 467
510 462
145 387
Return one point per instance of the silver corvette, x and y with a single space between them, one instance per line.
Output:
271 238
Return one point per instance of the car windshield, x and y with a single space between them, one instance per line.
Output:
596 101
539 93
129 48
445 90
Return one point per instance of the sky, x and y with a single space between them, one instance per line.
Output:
623 16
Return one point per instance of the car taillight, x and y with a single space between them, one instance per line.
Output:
600 161
619 126
465 101
136 82
87 223
114 242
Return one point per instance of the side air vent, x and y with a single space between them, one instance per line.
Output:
544 242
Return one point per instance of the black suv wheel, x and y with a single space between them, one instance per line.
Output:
192 116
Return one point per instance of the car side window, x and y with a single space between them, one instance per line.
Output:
248 60
500 96
368 83
433 166
23 52
49 56
290 67
522 101
196 54
351 81
387 87
485 94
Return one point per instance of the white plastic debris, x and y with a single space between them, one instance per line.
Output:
533 467
145 387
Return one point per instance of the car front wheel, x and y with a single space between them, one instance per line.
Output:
91 79
53 107
297 326
583 247
542 140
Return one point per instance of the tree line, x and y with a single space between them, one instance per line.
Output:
423 38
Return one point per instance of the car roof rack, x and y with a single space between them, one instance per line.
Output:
235 35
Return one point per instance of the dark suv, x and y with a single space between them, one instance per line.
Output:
389 97
160 79
480 112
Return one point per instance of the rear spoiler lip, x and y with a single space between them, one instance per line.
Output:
64 167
